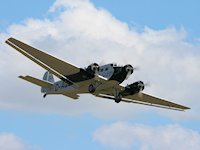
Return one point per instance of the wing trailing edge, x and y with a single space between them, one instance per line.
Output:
40 57
167 105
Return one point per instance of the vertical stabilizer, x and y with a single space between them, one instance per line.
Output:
47 77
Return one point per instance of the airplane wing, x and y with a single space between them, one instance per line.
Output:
54 65
144 99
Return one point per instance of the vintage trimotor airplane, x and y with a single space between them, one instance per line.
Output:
101 81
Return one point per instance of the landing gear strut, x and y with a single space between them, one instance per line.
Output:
117 95
118 98
44 95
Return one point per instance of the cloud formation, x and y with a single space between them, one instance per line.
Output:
80 33
124 135
9 141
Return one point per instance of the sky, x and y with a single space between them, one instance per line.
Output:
161 38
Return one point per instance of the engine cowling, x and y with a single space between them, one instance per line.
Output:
92 69
133 88
129 69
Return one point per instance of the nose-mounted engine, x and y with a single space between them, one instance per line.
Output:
129 70
92 69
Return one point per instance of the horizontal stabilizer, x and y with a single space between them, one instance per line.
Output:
36 81
71 95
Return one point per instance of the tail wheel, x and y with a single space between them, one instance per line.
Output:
118 98
91 88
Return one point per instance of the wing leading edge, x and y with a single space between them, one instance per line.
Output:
149 100
145 98
54 65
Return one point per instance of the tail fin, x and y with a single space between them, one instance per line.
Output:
47 77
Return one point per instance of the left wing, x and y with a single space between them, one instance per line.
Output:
143 99
54 65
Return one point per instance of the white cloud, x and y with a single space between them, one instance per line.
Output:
81 34
9 141
123 135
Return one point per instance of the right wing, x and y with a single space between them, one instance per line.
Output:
149 101
143 99
54 65
154 101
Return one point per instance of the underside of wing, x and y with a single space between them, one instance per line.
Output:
58 67
144 99
151 100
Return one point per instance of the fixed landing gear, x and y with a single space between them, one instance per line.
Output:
118 98
117 95
91 88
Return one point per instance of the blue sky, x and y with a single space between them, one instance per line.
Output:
156 14
50 130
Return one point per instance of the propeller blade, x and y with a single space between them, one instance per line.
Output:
128 74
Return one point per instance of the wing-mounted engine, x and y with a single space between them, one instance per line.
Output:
133 88
92 69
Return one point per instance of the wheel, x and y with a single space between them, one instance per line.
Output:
118 98
91 88
44 95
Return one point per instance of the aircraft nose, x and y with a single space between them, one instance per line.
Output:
129 69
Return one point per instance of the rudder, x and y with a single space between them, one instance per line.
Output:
48 77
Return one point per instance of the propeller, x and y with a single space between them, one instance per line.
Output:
103 62
128 74
130 69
